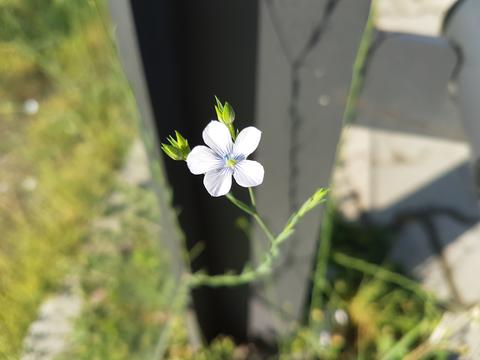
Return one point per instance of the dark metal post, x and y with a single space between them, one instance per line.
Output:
191 51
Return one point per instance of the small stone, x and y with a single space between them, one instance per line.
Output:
29 183
325 339
341 317
458 330
31 106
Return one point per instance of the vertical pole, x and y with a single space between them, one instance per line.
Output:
189 52
306 55
462 27
132 63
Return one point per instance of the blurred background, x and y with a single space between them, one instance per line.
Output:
90 249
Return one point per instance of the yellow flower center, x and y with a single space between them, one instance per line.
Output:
231 162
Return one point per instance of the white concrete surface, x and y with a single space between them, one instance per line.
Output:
412 16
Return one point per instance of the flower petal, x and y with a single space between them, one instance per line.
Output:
217 137
218 182
248 173
202 159
247 141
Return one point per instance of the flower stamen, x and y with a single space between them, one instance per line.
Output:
230 163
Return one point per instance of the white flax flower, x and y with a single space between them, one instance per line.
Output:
222 158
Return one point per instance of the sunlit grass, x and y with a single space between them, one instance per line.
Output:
58 163
389 314
125 282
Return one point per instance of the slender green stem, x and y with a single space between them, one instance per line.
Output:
245 277
252 197
379 272
248 275
399 350
264 227
253 212
358 67
240 204
266 265
326 232
320 282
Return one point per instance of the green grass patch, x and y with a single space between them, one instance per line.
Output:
389 316
57 163
125 281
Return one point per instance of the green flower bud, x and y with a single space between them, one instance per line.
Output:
226 115
177 149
